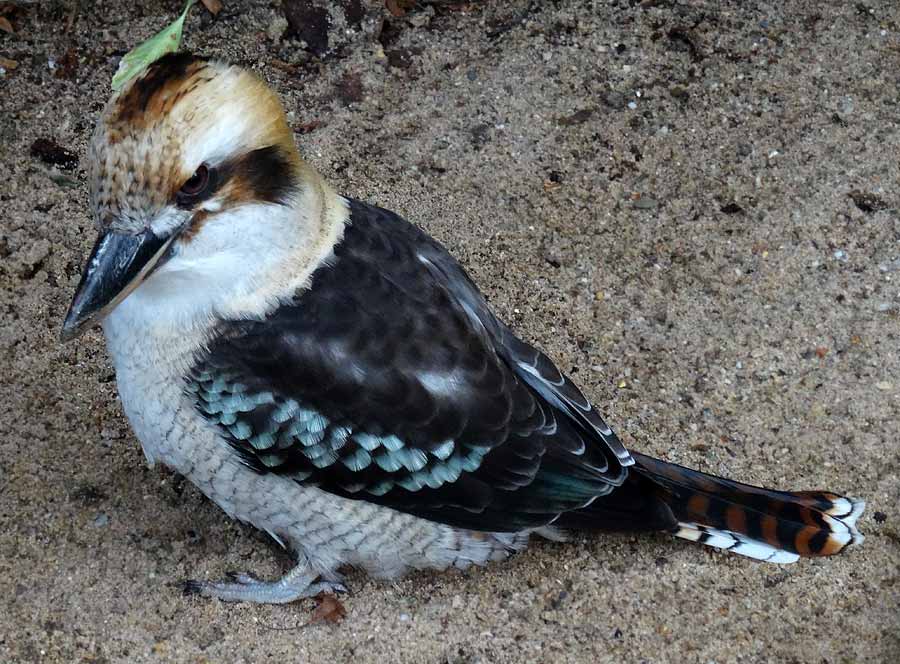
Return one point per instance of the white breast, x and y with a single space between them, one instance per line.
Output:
150 362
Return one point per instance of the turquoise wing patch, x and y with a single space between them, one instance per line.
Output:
274 434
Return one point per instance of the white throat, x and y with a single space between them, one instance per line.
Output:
242 263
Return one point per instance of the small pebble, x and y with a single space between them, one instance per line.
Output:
277 28
646 203
101 520
423 18
679 93
840 255
632 105
890 266
884 385
614 100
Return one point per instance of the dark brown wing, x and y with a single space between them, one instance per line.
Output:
390 380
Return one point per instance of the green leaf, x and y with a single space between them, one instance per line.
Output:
142 56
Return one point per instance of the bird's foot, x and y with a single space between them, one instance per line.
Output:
241 587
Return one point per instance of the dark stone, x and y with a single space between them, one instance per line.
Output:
578 117
354 11
401 58
308 23
88 494
389 33
614 100
867 202
350 89
481 134
50 153
679 93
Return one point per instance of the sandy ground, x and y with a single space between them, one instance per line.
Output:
691 206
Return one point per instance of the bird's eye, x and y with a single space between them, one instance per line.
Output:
196 186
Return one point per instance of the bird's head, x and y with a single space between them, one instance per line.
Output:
189 164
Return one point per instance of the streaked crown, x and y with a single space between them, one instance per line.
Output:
188 135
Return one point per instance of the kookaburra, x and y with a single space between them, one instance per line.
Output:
326 371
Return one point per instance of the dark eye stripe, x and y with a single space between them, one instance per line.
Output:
263 175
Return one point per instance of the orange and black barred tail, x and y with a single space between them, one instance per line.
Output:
775 526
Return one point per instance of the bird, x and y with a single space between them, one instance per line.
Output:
324 370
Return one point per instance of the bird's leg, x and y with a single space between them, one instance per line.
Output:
296 584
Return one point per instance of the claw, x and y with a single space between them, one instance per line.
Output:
191 587
325 588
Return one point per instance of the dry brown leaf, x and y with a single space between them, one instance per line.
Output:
5 25
399 8
6 63
308 127
212 6
11 9
330 610
67 67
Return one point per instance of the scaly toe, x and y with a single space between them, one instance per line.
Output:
242 578
243 587
327 587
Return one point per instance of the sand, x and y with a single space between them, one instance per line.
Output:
692 207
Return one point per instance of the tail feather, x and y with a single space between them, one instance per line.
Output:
734 542
775 526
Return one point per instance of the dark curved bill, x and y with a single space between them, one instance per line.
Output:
117 265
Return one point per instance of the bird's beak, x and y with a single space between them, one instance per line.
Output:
117 265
